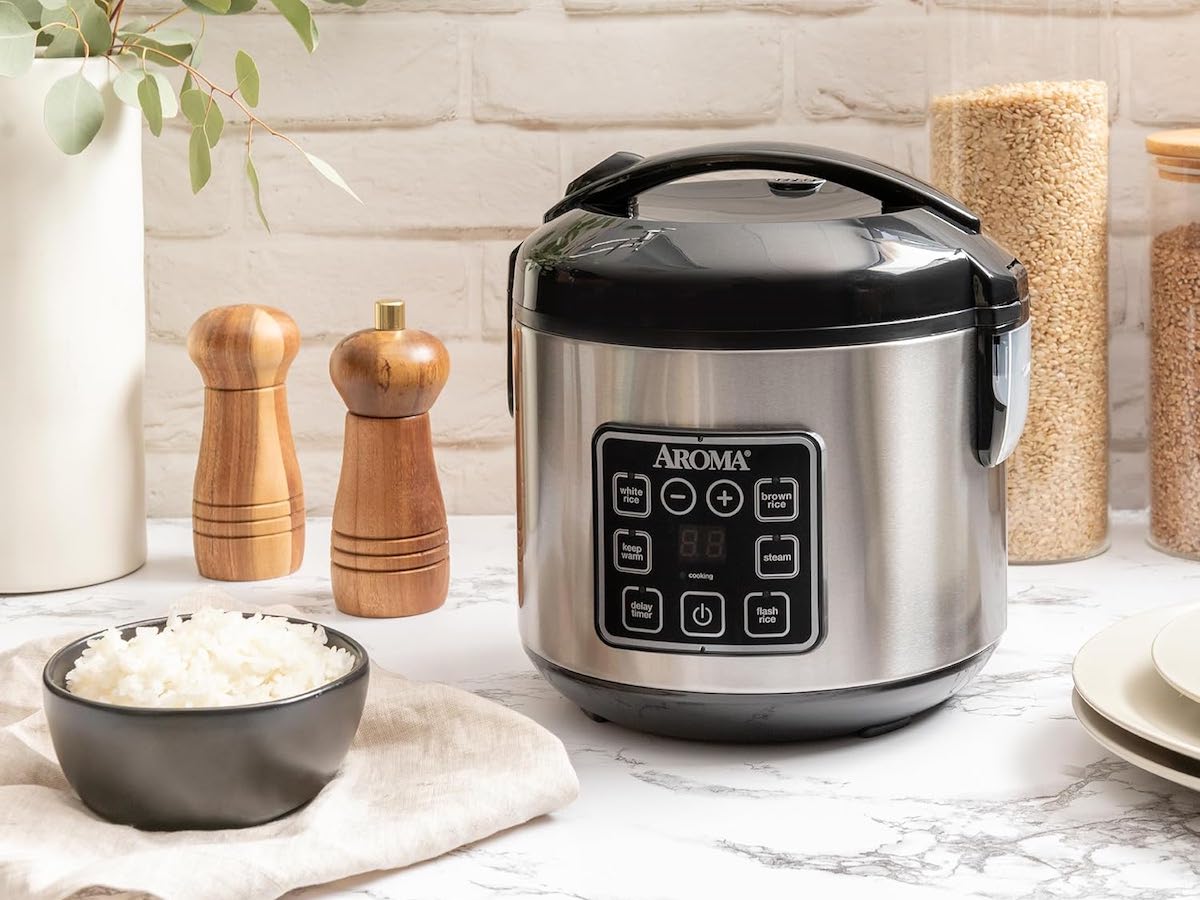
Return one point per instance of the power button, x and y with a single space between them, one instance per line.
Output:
703 614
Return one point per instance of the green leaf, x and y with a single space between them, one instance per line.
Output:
151 103
214 124
220 7
168 46
329 173
187 84
74 113
199 160
166 95
125 86
194 104
18 42
252 177
247 77
53 4
300 18
93 22
235 7
31 10
133 26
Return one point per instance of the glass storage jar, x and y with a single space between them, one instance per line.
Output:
1019 116
1173 407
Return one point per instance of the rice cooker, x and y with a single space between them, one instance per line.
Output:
760 429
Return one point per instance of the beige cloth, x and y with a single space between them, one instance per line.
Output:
432 768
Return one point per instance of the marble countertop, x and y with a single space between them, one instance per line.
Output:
998 794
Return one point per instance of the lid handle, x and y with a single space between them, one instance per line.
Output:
615 193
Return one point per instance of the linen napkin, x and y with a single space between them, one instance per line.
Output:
431 769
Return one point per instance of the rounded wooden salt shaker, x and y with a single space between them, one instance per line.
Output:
248 500
390 552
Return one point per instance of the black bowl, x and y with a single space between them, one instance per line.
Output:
211 767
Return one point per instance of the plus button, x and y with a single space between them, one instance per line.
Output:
724 497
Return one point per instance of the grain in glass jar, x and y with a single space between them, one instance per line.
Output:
1173 407
1019 133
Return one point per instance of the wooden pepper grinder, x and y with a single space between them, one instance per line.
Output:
391 551
248 502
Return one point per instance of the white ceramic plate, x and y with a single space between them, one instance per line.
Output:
1115 675
1176 654
1131 748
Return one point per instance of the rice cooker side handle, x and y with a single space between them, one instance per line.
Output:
1004 353
616 193
512 272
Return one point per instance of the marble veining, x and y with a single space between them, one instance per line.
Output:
998 794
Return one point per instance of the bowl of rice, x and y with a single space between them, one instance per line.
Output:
216 719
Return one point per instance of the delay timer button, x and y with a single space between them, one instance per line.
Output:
642 609
631 495
776 499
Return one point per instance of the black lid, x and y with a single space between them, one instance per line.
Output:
849 252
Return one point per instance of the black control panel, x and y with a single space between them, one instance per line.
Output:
708 542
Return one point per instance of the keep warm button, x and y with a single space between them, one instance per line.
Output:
777 556
631 551
767 614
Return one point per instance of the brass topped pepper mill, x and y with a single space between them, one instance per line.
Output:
390 551
248 501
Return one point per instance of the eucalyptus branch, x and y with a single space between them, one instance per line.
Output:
165 19
213 88
74 107
77 28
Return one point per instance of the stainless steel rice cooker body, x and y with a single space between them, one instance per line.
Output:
760 427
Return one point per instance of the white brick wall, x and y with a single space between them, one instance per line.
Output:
460 121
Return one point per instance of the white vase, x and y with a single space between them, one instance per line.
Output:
72 342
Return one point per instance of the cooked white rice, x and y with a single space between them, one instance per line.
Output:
214 658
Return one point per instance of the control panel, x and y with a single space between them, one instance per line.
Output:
708 542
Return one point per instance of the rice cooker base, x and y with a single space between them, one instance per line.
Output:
762 718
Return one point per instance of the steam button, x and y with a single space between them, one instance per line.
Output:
724 498
777 556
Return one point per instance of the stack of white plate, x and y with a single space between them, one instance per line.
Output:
1137 692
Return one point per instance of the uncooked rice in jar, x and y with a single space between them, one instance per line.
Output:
1032 160
1175 390
213 658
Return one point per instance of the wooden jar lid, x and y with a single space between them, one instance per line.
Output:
1177 153
1182 142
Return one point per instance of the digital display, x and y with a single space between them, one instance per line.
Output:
701 544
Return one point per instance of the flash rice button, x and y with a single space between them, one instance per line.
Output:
767 614
631 495
678 496
776 499
642 609
703 614
724 498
